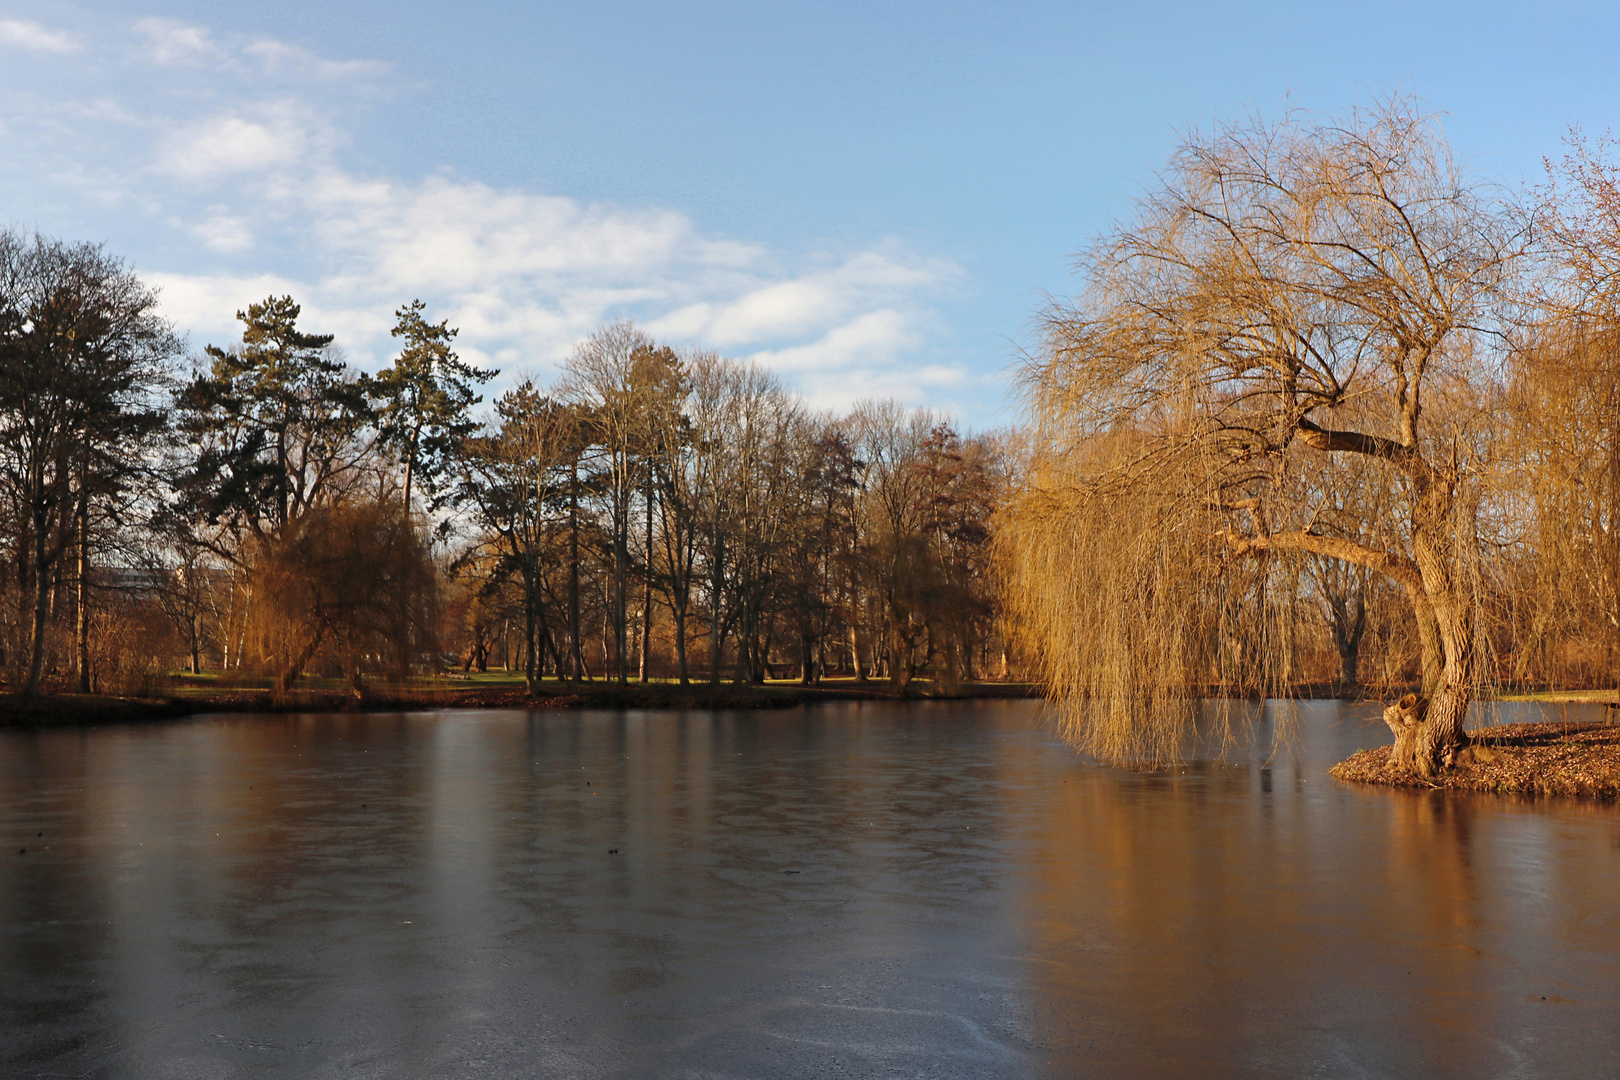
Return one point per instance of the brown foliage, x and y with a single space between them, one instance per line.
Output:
353 579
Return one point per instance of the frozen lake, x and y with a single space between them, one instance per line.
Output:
860 890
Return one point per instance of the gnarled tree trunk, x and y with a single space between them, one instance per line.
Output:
1428 731
1428 728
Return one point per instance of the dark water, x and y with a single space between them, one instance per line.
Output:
846 891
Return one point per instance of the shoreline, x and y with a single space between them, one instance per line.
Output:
70 710
1558 758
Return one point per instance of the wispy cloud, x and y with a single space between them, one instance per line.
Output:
272 136
280 58
223 231
24 34
244 179
170 41
526 275
811 301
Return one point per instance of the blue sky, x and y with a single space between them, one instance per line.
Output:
870 198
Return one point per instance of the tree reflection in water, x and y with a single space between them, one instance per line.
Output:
938 889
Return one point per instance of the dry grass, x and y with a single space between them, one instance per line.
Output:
1530 759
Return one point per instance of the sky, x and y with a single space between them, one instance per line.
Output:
871 199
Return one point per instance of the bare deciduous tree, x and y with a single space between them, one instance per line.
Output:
512 481
618 375
82 356
1281 273
351 576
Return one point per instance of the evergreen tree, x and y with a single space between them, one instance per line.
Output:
425 398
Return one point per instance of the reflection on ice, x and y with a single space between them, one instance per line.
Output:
940 889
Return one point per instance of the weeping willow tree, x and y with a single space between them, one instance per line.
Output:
1563 599
1113 587
1564 403
1296 301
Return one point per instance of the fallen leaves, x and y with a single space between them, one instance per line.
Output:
1531 759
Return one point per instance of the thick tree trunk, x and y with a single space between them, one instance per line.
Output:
1428 731
1428 728
900 678
1429 640
410 467
1349 669
1347 620
762 669
742 673
902 650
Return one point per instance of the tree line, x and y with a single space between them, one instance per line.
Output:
1329 410
1356 403
266 512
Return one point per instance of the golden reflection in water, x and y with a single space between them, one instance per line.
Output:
1207 917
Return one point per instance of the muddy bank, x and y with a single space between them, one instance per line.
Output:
1524 759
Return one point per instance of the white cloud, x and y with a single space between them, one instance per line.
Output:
775 311
206 305
36 38
524 276
904 382
871 338
224 232
268 206
281 135
279 57
460 236
806 304
170 41
868 356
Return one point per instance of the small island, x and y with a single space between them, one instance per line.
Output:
1548 758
